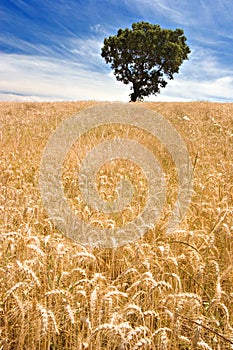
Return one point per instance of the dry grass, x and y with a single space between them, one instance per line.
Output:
161 292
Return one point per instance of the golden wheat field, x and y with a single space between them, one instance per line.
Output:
160 292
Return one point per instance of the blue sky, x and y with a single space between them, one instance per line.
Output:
50 50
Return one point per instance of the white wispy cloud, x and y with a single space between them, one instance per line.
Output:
202 13
200 78
87 50
194 90
55 79
164 9
99 29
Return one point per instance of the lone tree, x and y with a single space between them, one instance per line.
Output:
144 56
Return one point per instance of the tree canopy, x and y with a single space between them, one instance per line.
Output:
145 56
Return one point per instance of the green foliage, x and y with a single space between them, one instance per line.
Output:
144 56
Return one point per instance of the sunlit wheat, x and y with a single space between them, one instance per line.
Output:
161 292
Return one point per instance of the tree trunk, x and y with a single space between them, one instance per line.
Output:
134 96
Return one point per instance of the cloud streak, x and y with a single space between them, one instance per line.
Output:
54 79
